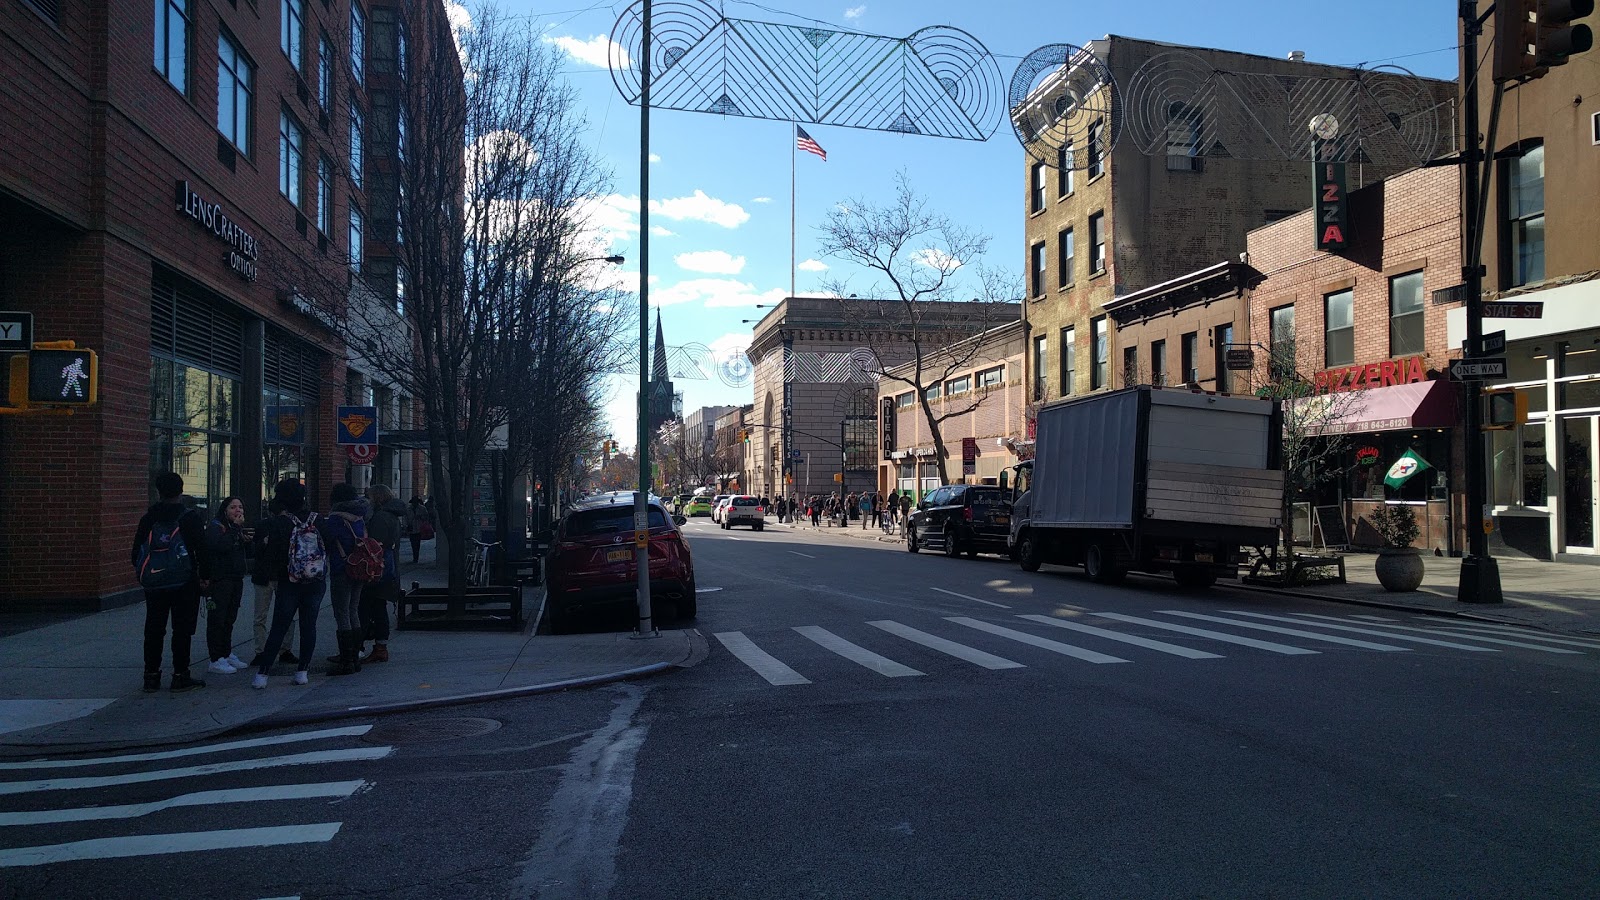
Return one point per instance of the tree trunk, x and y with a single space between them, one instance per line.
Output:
939 456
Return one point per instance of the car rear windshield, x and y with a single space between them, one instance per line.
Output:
608 520
746 501
983 498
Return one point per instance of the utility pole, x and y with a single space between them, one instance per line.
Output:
641 501
1480 573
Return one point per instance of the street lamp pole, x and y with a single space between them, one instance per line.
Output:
641 511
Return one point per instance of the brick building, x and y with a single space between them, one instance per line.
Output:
1178 332
1365 326
983 395
173 182
1101 225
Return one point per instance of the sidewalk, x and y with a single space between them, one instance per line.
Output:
74 685
1555 596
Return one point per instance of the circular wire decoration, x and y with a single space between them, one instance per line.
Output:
676 26
1063 96
965 70
1397 118
1172 93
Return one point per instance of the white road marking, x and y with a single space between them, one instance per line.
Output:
806 555
158 844
1214 635
319 757
199 798
1465 637
1383 634
1036 641
973 599
1373 618
1294 632
1521 632
883 665
1108 634
351 731
765 664
959 651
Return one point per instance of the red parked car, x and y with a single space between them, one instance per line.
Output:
591 560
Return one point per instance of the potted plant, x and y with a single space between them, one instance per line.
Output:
1399 565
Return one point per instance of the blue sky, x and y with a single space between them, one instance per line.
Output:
722 228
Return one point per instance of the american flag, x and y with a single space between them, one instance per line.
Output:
804 142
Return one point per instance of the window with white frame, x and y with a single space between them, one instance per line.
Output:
356 226
1097 243
172 42
934 391
325 196
356 142
291 150
1100 375
291 32
358 43
1405 314
1096 164
1064 159
1069 361
992 377
1036 190
1523 234
904 401
1041 352
956 386
1183 138
1038 269
1339 329
1188 353
1281 367
1065 261
235 93
1158 363
325 71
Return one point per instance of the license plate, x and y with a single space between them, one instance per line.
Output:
1204 557
619 555
1000 520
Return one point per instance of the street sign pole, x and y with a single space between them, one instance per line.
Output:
641 501
1480 574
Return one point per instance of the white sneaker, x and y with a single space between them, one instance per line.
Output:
300 678
234 660
259 682
221 667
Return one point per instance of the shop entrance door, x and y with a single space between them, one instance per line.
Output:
1580 493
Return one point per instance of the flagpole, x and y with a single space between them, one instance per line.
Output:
794 141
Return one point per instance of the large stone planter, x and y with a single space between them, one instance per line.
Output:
1399 569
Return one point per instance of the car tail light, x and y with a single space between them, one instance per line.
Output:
966 513
761 509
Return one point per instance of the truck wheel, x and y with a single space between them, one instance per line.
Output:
1194 578
1100 562
1028 553
952 543
911 539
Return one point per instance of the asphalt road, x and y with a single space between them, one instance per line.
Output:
871 723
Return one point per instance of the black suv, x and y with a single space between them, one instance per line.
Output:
961 518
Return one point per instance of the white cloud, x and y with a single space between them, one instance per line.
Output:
658 231
813 265
855 12
760 199
655 157
714 293
596 51
715 262
701 208
934 258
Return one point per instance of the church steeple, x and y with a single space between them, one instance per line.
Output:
662 406
658 359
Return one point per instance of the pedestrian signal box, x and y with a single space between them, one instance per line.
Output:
55 378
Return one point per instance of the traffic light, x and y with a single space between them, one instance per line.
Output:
744 436
1505 410
1516 37
55 377
1558 38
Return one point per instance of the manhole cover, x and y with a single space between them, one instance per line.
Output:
421 731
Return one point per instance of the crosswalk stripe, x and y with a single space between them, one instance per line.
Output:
1522 632
765 664
319 757
973 599
1372 618
350 731
156 844
1383 634
880 664
1293 632
1464 637
1135 640
959 651
199 798
1214 635
1031 640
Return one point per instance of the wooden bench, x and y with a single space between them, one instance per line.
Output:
494 606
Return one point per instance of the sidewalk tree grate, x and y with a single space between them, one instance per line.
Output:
421 731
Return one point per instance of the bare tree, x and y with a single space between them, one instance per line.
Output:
917 327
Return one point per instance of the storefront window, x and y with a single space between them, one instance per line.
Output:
194 422
1534 475
1370 458
283 437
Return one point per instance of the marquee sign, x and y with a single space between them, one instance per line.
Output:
1331 206
1388 373
243 247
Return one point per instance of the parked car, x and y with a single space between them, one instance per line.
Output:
717 504
961 518
591 562
743 509
698 506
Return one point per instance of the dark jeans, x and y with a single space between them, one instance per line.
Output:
182 605
416 546
294 598
221 613
376 598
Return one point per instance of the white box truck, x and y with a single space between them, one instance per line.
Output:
1150 480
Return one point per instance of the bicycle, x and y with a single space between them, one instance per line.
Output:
479 568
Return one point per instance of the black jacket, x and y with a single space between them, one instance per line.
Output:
388 523
191 525
272 560
229 551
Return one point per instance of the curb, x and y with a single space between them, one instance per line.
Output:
1396 607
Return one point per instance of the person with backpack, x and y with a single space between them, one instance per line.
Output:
228 546
266 589
354 560
387 524
169 555
296 557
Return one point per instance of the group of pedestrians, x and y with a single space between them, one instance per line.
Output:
870 508
293 557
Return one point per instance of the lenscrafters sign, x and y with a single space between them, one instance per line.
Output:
241 257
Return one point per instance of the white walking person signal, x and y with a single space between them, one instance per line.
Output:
73 377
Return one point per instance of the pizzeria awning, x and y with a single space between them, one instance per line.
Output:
1422 404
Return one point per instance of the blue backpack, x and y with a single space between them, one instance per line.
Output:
164 560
